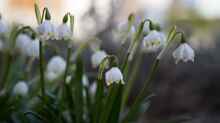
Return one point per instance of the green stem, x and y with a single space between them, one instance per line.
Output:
67 64
8 63
42 78
131 80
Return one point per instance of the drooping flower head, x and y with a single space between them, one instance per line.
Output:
21 88
154 41
22 43
33 48
114 75
64 32
97 58
55 67
184 53
47 30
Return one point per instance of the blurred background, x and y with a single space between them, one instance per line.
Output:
189 90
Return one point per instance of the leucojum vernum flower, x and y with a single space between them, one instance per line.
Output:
94 88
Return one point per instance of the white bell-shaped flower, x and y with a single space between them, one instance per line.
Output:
55 68
64 32
97 58
33 48
22 43
21 88
114 75
153 41
47 30
184 53
3 27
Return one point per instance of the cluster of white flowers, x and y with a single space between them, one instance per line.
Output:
97 58
21 88
55 68
48 31
27 45
156 40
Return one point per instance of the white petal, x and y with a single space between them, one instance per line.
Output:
33 48
22 43
113 75
184 53
47 30
56 65
64 32
97 58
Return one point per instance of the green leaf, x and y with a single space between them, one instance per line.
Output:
109 102
78 91
115 112
98 106
140 98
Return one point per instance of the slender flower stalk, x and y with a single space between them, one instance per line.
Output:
42 78
67 64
